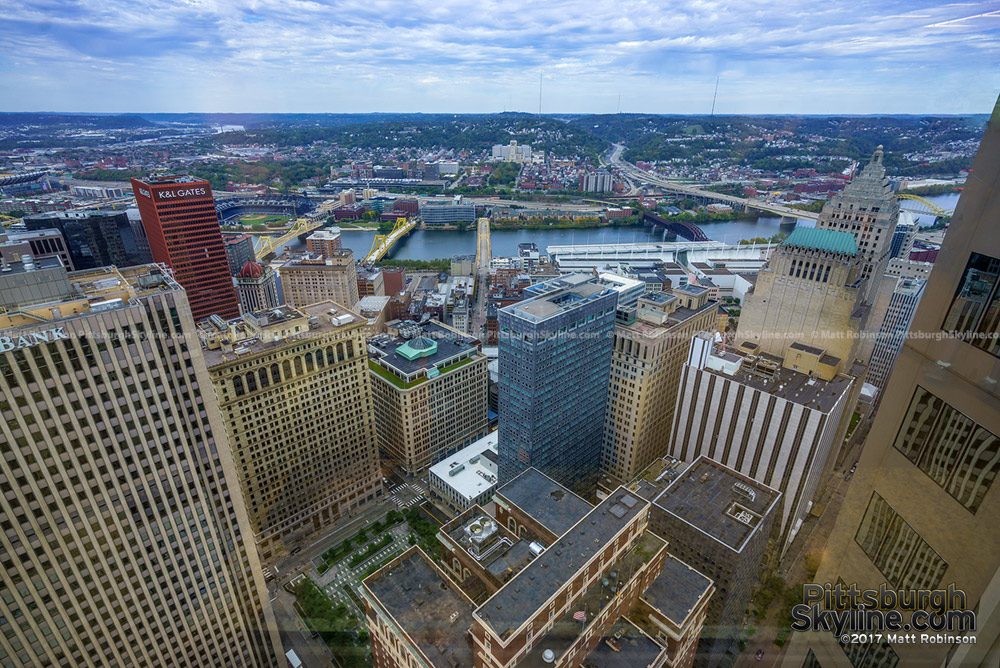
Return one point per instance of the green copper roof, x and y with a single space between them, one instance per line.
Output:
420 346
825 240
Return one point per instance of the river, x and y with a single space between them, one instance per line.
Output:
432 244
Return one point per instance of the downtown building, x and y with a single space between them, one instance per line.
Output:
554 367
718 521
898 314
603 592
92 238
779 421
324 242
311 278
292 385
239 251
257 287
429 389
126 540
811 292
867 208
921 511
182 227
650 346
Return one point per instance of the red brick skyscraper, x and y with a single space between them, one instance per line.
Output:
178 213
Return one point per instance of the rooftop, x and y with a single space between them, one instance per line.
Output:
634 648
243 335
433 613
91 290
566 630
404 358
832 241
515 603
546 501
677 590
559 295
372 303
316 259
497 550
469 471
161 180
765 372
719 502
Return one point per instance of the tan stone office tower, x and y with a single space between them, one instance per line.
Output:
922 509
125 540
311 278
429 389
868 209
811 292
293 389
651 344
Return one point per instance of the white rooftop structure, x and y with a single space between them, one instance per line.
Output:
469 476
372 303
583 257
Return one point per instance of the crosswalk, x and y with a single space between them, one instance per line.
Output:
407 504
413 487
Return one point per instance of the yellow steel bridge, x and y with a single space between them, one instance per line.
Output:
383 243
923 205
267 245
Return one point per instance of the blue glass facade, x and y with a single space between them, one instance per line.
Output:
555 360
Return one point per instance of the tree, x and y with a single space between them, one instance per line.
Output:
385 227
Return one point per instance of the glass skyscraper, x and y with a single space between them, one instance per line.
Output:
555 360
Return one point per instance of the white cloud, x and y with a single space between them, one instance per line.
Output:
446 55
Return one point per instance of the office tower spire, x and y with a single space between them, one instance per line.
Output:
868 209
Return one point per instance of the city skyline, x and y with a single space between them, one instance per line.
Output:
567 58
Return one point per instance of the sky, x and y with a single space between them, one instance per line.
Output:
768 56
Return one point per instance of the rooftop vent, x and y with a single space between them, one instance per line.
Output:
744 490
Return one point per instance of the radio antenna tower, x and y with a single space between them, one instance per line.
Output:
716 95
539 92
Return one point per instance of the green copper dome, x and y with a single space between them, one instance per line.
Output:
419 346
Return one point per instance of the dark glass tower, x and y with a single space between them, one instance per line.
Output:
555 358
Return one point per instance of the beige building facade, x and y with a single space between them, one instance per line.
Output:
310 279
778 421
811 292
651 344
125 539
921 512
430 395
293 388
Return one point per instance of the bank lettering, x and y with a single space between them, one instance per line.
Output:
28 339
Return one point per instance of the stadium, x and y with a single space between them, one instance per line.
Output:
261 210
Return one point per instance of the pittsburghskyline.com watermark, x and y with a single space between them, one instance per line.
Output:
885 614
